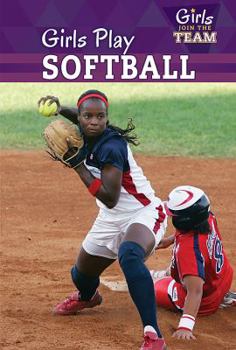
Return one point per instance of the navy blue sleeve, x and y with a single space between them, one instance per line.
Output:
114 152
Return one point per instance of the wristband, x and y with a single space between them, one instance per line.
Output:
187 322
94 186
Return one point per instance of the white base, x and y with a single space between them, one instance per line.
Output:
117 286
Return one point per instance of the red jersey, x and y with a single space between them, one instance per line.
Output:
202 254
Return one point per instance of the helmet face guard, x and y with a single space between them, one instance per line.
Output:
188 206
190 222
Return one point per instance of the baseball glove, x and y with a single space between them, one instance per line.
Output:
65 143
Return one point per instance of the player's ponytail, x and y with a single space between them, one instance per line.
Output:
127 133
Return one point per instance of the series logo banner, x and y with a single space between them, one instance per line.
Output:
144 41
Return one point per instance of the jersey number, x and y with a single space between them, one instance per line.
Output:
219 257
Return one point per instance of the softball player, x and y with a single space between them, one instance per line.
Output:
131 220
201 275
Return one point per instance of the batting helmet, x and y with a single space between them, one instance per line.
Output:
189 207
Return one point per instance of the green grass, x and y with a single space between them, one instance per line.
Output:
171 119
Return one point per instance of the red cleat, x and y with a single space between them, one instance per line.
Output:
152 342
72 304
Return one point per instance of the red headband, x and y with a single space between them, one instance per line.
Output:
91 96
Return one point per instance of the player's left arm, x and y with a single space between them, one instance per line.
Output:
194 288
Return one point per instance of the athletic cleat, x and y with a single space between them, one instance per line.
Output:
151 341
229 300
72 304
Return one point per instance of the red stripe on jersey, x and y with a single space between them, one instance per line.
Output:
129 186
161 218
156 227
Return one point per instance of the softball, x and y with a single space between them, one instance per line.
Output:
48 110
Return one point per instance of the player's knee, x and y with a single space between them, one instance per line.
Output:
131 256
129 251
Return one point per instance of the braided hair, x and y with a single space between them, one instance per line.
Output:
125 133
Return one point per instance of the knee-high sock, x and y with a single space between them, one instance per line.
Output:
85 284
140 284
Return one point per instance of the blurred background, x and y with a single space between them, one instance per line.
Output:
192 119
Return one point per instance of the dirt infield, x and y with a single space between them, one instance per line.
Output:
41 232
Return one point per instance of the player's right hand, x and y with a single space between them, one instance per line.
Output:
183 334
49 106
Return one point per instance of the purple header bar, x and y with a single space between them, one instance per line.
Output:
119 40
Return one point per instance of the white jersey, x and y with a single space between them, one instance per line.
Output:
136 191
